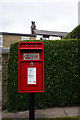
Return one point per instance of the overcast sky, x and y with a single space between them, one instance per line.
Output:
53 15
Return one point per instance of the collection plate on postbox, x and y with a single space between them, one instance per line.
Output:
29 56
31 67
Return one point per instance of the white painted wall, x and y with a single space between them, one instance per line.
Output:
50 38
54 38
38 37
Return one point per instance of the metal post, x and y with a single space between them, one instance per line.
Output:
31 107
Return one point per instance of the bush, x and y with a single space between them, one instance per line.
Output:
75 34
62 80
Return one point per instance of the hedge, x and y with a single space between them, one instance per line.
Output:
62 81
74 34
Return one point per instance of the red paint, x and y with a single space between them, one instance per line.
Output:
31 67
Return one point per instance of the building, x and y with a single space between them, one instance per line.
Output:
51 35
5 40
44 34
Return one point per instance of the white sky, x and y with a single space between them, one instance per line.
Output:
53 15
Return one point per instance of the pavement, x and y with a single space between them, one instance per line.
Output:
45 113
41 113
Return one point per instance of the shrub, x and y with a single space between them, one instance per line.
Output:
62 82
75 34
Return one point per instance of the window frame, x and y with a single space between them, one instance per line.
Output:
25 38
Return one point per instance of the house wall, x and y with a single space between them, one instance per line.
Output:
4 79
32 38
7 40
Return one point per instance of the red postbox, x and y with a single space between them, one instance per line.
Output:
31 67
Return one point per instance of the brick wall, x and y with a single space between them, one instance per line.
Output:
4 77
32 38
7 40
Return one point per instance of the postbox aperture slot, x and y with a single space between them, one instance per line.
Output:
30 50
30 45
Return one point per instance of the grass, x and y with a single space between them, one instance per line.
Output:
64 118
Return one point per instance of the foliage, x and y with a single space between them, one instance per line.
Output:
75 34
62 81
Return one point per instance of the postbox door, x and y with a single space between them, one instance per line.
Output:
31 76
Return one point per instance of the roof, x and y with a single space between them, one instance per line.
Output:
17 34
50 33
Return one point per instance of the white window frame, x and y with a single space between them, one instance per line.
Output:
25 38
1 40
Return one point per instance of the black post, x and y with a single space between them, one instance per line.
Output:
31 107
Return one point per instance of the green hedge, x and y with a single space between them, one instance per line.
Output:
62 80
74 34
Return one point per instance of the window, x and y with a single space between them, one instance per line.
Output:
25 38
0 40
